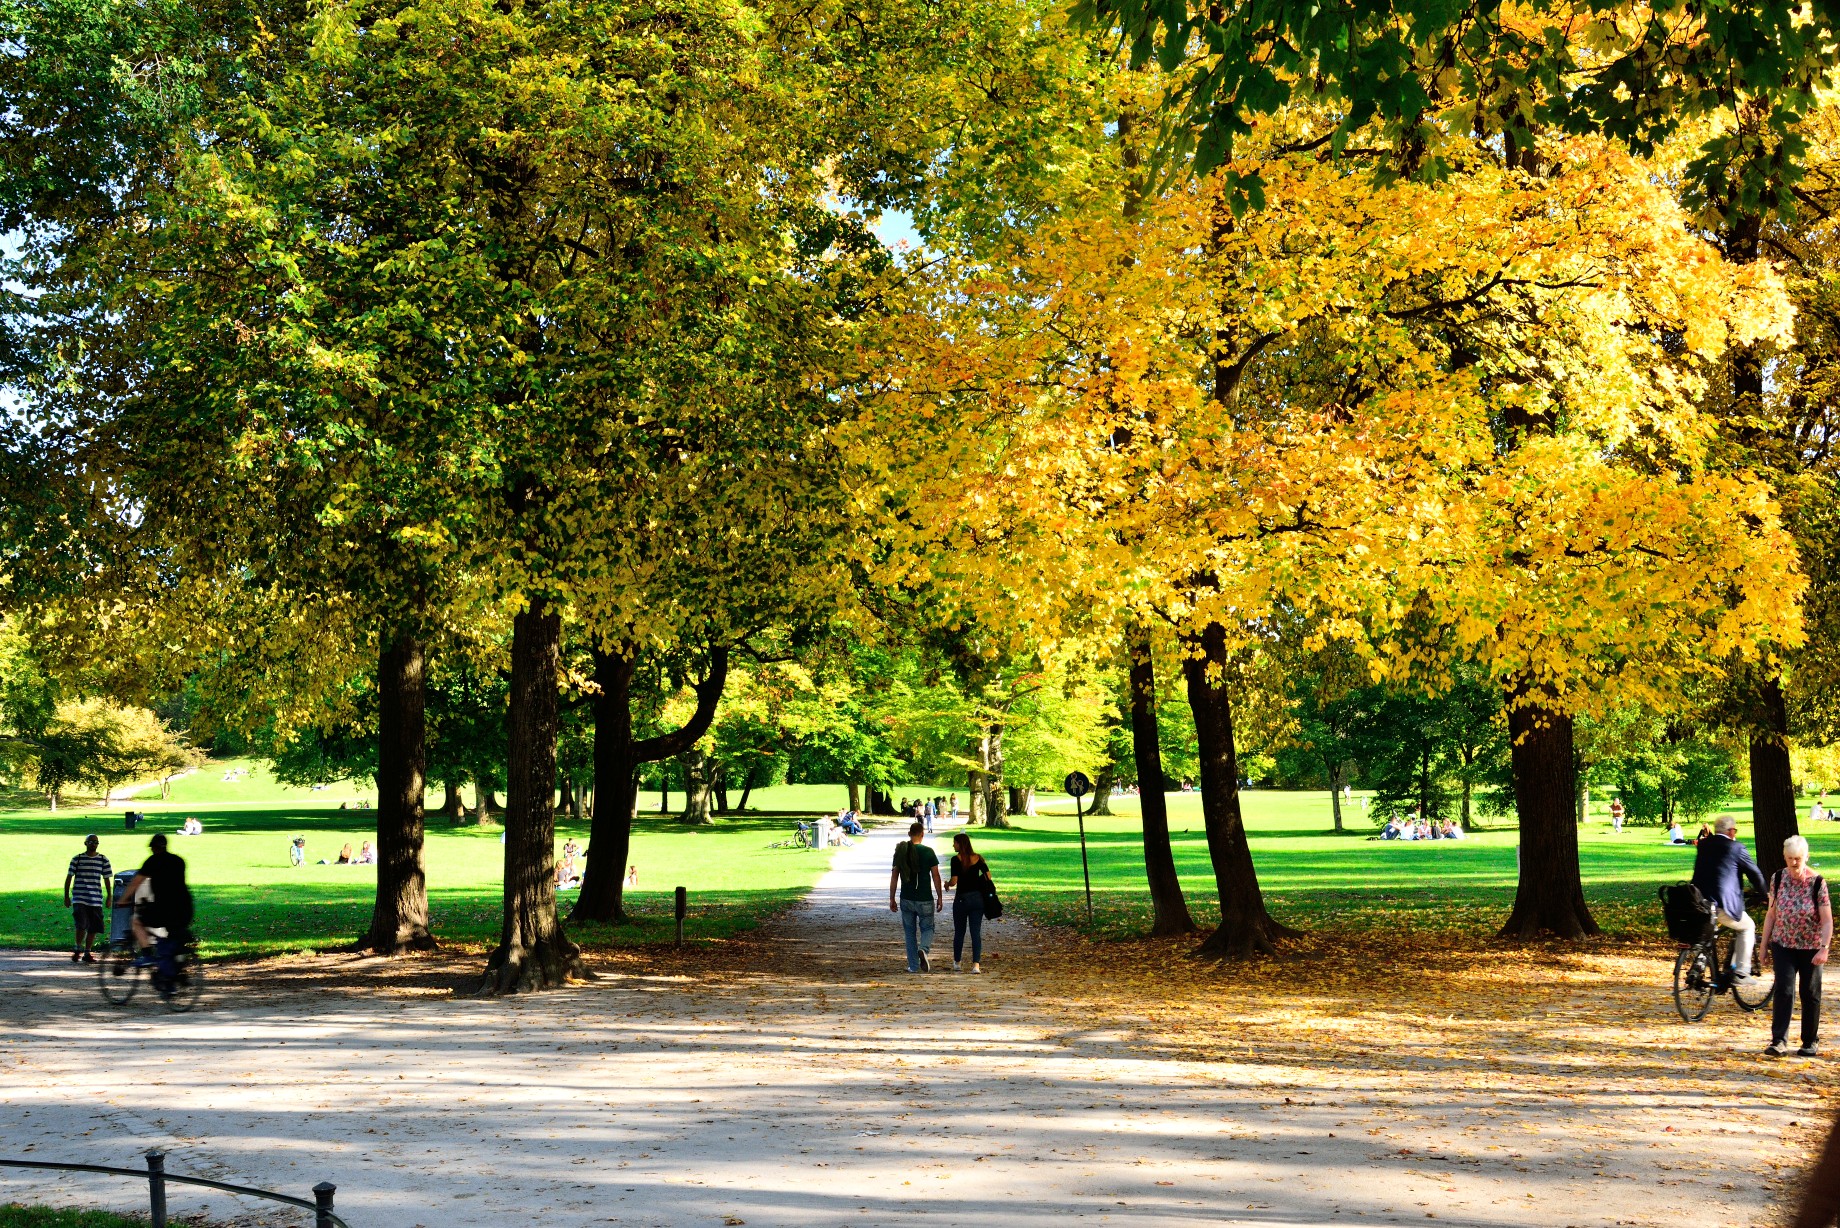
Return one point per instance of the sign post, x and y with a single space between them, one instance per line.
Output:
1078 786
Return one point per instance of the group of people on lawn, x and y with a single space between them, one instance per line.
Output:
1419 829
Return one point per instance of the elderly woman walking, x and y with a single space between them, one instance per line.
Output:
1797 932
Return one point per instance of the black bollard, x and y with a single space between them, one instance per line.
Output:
683 906
156 1188
322 1204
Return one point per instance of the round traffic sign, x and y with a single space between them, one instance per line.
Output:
1076 784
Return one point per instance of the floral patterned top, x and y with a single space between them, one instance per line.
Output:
1798 905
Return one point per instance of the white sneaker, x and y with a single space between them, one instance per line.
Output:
926 962
955 966
976 968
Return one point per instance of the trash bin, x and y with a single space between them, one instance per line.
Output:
121 914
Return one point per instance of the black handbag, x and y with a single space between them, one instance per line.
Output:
993 907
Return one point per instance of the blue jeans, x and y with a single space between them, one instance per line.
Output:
968 913
917 928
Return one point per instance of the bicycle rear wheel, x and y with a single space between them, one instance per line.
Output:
188 982
1693 977
118 973
1751 995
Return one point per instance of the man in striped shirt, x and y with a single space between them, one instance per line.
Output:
86 887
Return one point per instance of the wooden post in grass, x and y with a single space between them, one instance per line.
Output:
1078 786
683 906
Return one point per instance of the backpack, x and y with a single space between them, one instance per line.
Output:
904 862
1688 913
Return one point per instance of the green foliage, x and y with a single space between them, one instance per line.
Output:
1682 775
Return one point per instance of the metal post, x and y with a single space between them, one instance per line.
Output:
1084 869
322 1204
156 1188
683 906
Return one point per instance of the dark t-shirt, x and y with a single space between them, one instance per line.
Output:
972 879
172 899
915 863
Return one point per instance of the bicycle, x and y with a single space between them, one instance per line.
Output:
1703 969
122 969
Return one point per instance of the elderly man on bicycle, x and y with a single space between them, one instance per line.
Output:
1721 866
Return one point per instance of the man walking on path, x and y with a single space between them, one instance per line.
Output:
86 886
919 903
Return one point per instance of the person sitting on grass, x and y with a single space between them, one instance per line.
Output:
191 827
344 856
1676 835
297 851
367 855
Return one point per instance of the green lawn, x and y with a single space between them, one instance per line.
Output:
1318 879
250 900
45 1217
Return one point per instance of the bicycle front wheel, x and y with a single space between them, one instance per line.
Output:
119 974
1693 977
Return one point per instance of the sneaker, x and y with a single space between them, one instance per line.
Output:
955 966
88 958
1809 1050
976 968
926 962
75 956
1777 1048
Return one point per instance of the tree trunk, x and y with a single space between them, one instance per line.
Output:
1246 928
996 803
1021 799
617 760
453 806
1550 897
855 797
616 784
1166 899
974 795
719 785
664 788
490 805
534 950
1773 816
1583 799
1102 789
1335 794
699 783
1468 789
399 918
747 787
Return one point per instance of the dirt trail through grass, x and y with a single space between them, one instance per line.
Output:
802 1077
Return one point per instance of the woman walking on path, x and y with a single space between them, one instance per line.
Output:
971 877
1797 932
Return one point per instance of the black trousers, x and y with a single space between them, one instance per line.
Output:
1795 965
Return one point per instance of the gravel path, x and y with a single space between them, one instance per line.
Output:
820 1084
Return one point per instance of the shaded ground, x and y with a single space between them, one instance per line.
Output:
800 1076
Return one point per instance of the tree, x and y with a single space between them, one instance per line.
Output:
1407 73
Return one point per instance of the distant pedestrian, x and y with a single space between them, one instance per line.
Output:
919 902
87 884
1797 931
970 882
1616 815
